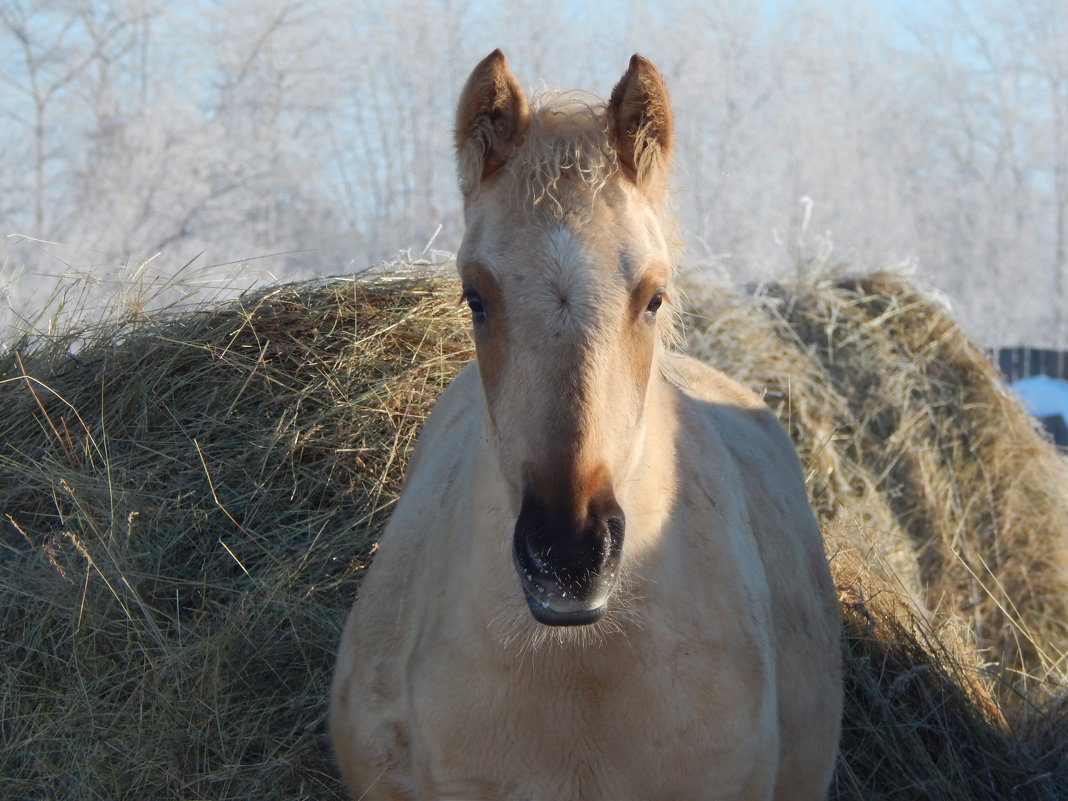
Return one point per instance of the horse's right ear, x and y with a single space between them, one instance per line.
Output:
491 119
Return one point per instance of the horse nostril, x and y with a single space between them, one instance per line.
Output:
616 527
566 548
609 517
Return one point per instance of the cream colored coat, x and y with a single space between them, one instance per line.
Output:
715 674
723 682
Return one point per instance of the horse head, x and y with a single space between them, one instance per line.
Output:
566 265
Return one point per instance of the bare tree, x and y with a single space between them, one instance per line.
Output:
320 129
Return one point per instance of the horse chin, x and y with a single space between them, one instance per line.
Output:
570 615
552 605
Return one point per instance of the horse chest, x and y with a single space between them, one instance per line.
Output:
583 728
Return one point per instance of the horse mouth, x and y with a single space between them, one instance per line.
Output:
551 614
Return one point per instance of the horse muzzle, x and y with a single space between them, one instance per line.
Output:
568 565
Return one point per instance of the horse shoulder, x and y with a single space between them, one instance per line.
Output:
437 471
803 606
369 703
763 456
706 385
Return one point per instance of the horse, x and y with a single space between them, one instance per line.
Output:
602 579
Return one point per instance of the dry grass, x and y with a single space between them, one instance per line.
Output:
908 430
946 514
188 501
187 505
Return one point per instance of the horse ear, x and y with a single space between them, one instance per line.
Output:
640 124
491 119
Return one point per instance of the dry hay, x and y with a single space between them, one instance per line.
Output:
188 501
910 436
945 512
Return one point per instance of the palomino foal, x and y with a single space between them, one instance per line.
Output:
603 579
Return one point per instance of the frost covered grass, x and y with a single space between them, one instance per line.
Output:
189 496
59 295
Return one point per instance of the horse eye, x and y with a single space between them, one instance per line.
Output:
475 304
655 303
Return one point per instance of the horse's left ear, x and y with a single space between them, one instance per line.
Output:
640 124
492 117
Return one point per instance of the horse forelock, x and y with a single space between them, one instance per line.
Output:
567 137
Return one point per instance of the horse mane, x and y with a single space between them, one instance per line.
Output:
567 136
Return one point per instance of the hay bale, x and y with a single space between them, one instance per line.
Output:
920 415
189 499
920 718
945 513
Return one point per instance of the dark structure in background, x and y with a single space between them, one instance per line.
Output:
1057 427
1024 362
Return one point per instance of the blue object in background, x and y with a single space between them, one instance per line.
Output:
1047 399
